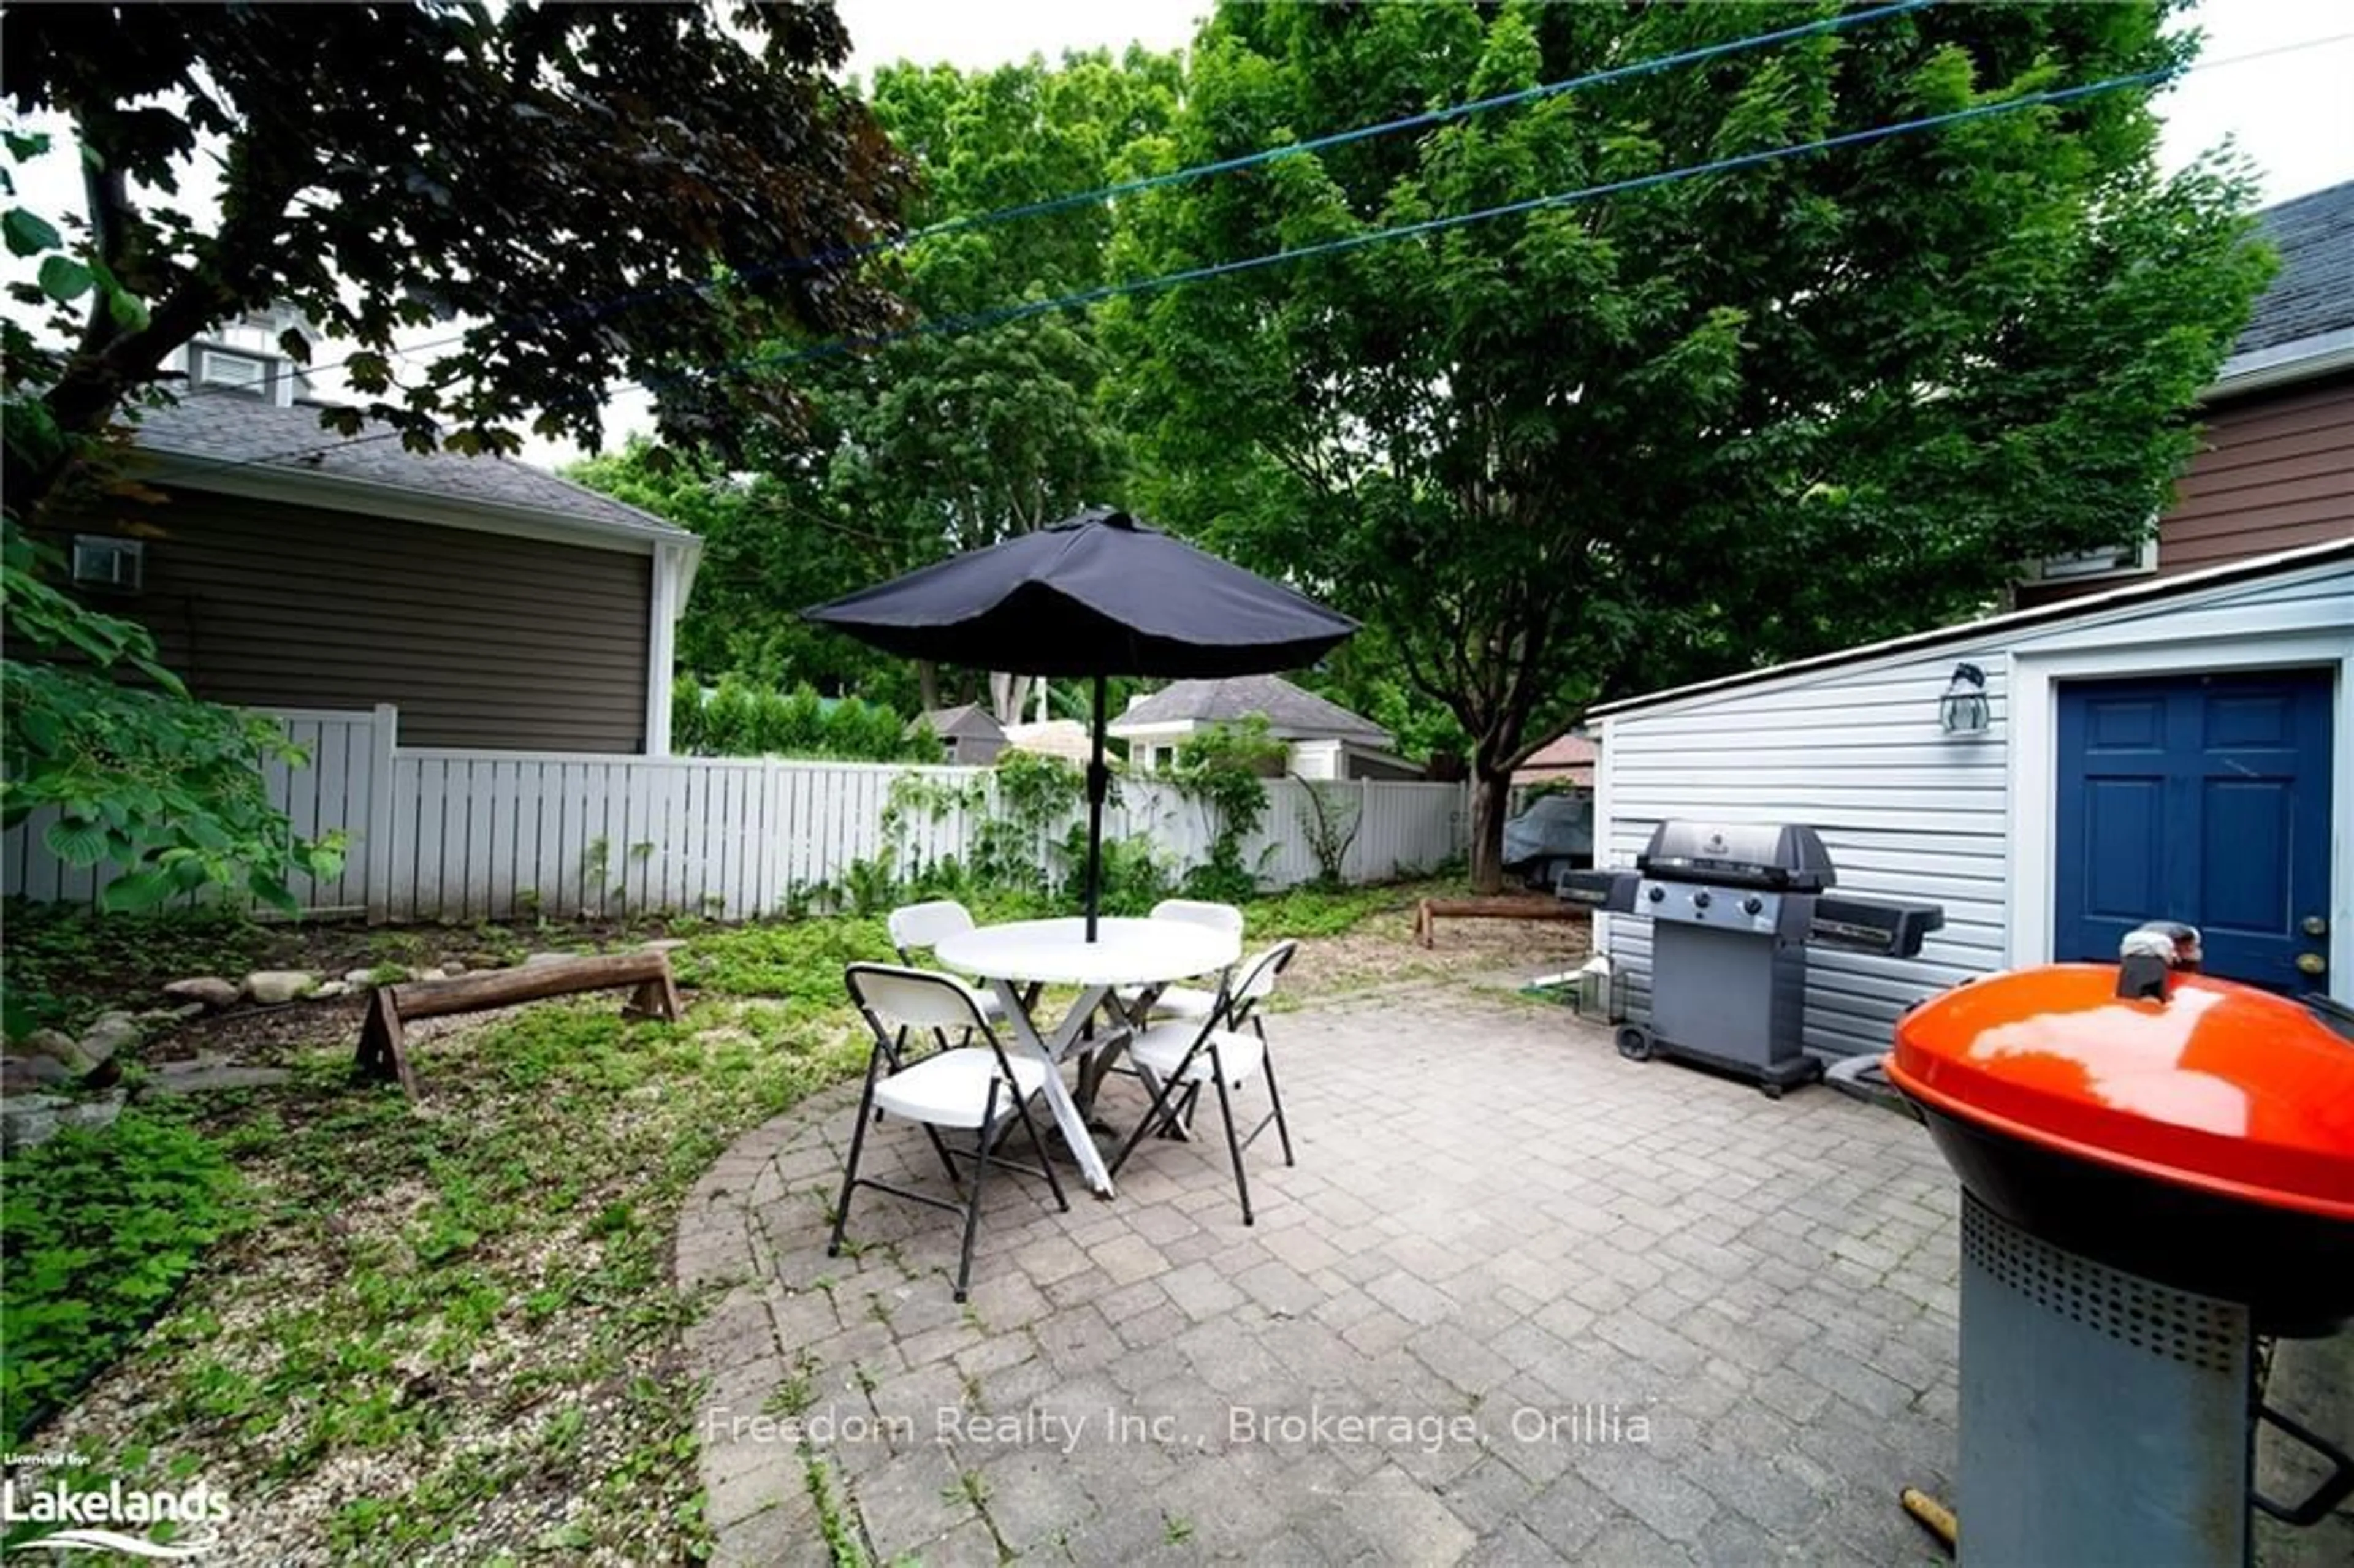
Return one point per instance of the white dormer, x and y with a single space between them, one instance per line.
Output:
245 357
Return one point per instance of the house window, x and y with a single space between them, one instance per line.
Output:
102 561
234 372
2113 560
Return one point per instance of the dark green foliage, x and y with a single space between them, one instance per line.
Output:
384 168
739 719
1593 449
58 962
1223 768
936 443
99 1229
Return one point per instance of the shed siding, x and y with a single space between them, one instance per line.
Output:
1906 812
482 640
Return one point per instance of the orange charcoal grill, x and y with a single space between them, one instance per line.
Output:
2158 1167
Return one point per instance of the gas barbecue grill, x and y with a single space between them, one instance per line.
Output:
1732 909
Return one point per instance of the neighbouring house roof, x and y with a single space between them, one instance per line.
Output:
1564 759
1291 712
1067 738
2303 326
964 720
2313 291
218 440
2149 589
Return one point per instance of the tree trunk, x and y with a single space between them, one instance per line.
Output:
927 684
1006 695
1490 795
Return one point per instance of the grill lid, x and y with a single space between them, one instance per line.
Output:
1742 854
2218 1086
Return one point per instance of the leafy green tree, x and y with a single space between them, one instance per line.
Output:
391 167
383 168
933 442
947 442
1593 447
770 544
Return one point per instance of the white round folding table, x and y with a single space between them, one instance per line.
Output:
1126 952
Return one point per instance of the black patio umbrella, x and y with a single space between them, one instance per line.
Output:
1096 594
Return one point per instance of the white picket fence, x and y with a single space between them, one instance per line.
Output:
447 834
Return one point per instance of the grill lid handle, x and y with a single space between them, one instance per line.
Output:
2150 952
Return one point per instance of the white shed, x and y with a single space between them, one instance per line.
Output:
2183 749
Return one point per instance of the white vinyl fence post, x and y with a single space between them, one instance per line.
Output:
383 821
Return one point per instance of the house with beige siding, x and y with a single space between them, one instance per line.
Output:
282 566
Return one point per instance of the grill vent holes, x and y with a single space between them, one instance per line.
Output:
2203 1333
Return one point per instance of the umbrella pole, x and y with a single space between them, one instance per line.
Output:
1098 785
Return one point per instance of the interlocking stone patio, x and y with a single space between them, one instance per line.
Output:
1581 1308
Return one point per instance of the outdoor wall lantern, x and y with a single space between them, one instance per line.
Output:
1963 709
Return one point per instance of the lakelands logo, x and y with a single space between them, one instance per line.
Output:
116 1519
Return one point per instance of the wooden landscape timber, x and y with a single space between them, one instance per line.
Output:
382 1052
1504 906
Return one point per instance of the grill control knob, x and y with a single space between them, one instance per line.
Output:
1752 904
1659 894
1699 900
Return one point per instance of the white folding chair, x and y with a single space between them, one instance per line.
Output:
1226 1050
1185 1001
977 1088
919 927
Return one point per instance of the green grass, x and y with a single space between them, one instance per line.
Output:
469 1296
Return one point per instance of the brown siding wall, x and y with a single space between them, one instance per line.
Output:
482 639
2273 472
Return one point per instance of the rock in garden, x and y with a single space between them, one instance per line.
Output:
273 987
436 973
451 969
113 1032
663 944
24 1075
331 989
57 1045
27 1120
208 1077
530 958
209 989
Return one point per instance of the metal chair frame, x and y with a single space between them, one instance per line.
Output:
892 1037
1236 1009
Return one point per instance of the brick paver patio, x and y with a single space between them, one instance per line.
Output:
1519 1301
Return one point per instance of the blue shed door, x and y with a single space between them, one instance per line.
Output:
2203 799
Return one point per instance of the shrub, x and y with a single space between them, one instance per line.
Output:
736 719
99 1229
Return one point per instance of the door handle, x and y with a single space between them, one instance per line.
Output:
2311 964
2314 925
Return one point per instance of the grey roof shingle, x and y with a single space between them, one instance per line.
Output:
218 431
1291 711
965 719
2314 290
